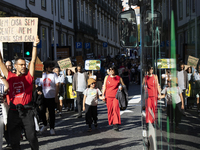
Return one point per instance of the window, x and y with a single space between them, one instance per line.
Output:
102 25
187 7
63 41
86 13
82 12
94 20
180 9
193 5
98 23
62 10
43 4
44 44
70 40
52 6
78 12
111 30
70 10
32 2
108 32
90 16
105 25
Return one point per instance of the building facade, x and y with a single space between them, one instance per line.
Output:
96 29
43 9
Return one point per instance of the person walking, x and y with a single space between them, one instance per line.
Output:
151 83
183 82
79 84
50 88
20 114
61 92
110 87
90 101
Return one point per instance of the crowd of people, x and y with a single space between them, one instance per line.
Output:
27 101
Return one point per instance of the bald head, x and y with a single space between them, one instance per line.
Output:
9 65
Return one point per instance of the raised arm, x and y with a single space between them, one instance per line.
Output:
6 85
34 56
3 66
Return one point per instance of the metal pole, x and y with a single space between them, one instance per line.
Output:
54 30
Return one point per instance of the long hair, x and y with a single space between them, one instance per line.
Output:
113 67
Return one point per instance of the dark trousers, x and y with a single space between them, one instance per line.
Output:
90 114
126 82
79 102
184 99
50 104
15 125
174 114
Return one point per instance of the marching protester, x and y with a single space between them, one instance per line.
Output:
61 92
19 97
9 65
110 87
79 84
3 112
50 88
90 101
173 94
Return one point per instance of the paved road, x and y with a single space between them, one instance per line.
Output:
71 133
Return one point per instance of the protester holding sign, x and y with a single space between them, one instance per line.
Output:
19 98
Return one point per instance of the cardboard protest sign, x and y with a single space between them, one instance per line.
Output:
63 52
192 61
18 29
38 68
166 63
92 65
65 63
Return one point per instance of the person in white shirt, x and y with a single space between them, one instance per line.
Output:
61 78
79 84
50 88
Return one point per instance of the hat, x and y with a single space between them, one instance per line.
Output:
91 80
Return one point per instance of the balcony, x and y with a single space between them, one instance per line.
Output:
86 29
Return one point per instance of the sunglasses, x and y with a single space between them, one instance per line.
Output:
93 83
111 69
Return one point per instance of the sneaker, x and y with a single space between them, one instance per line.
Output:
52 132
44 128
60 114
8 146
89 130
95 125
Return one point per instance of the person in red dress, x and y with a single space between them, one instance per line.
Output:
111 84
153 88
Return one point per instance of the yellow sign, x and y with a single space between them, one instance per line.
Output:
92 65
166 63
18 29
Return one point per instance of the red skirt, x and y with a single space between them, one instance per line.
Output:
113 110
151 104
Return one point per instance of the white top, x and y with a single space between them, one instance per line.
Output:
81 82
197 76
61 78
91 96
181 79
48 82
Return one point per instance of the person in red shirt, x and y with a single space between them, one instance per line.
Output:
19 98
111 84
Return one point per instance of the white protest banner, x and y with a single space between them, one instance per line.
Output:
192 61
18 29
65 63
92 65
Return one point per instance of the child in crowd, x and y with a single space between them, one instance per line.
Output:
90 101
174 97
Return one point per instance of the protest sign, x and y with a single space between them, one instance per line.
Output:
65 63
192 61
166 63
18 29
63 52
92 65
39 67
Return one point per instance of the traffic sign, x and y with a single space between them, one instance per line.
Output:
78 44
87 45
105 44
